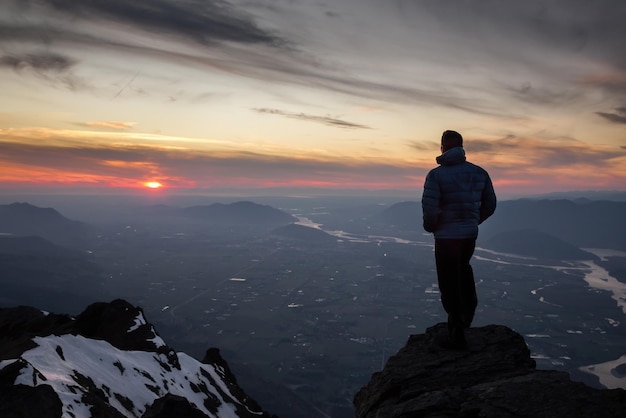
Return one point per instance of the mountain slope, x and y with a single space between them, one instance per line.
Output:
239 212
586 224
24 219
583 223
536 244
35 271
108 361
403 215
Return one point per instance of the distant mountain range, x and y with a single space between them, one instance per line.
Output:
108 362
403 215
238 212
529 242
243 212
582 223
24 219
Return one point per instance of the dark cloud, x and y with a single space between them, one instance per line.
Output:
201 20
534 152
619 116
42 62
594 28
479 145
54 68
431 146
470 145
326 120
490 33
197 33
555 152
526 92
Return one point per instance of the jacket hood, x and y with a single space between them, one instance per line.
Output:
453 156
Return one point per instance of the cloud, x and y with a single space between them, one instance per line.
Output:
42 62
115 125
619 116
471 145
203 21
515 163
58 155
430 146
457 43
539 164
526 92
52 67
325 120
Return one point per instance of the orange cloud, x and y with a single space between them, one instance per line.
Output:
517 165
117 125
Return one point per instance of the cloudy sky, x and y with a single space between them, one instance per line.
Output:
238 95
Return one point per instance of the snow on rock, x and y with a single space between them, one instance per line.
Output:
139 321
130 380
109 361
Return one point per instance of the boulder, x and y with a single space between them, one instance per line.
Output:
494 377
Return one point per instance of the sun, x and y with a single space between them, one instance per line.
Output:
153 184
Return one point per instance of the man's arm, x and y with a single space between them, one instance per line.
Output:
487 201
430 203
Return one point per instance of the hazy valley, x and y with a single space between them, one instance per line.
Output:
305 313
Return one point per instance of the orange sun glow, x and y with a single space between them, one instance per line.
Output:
153 184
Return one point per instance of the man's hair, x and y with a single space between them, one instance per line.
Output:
451 139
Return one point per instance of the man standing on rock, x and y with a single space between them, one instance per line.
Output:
458 196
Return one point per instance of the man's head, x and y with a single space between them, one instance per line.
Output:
451 139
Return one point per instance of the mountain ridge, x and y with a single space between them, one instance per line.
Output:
109 361
582 223
246 212
533 243
23 219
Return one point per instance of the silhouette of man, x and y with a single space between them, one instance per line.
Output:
458 196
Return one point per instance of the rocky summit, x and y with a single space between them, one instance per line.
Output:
494 377
108 362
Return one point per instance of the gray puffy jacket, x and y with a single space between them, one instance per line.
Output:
458 196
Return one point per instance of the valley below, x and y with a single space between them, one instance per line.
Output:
303 320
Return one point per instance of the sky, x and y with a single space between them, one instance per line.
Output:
233 96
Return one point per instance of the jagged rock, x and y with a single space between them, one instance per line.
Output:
172 406
26 401
123 326
213 356
494 377
19 325
108 362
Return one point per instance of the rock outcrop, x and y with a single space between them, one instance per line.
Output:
494 377
108 362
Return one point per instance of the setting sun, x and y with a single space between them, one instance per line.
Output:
153 184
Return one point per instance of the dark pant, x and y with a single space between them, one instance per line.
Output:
456 280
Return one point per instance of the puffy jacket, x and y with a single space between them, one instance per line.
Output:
458 196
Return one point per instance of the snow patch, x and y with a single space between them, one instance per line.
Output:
139 321
135 375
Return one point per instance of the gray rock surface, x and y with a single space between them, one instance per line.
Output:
494 377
